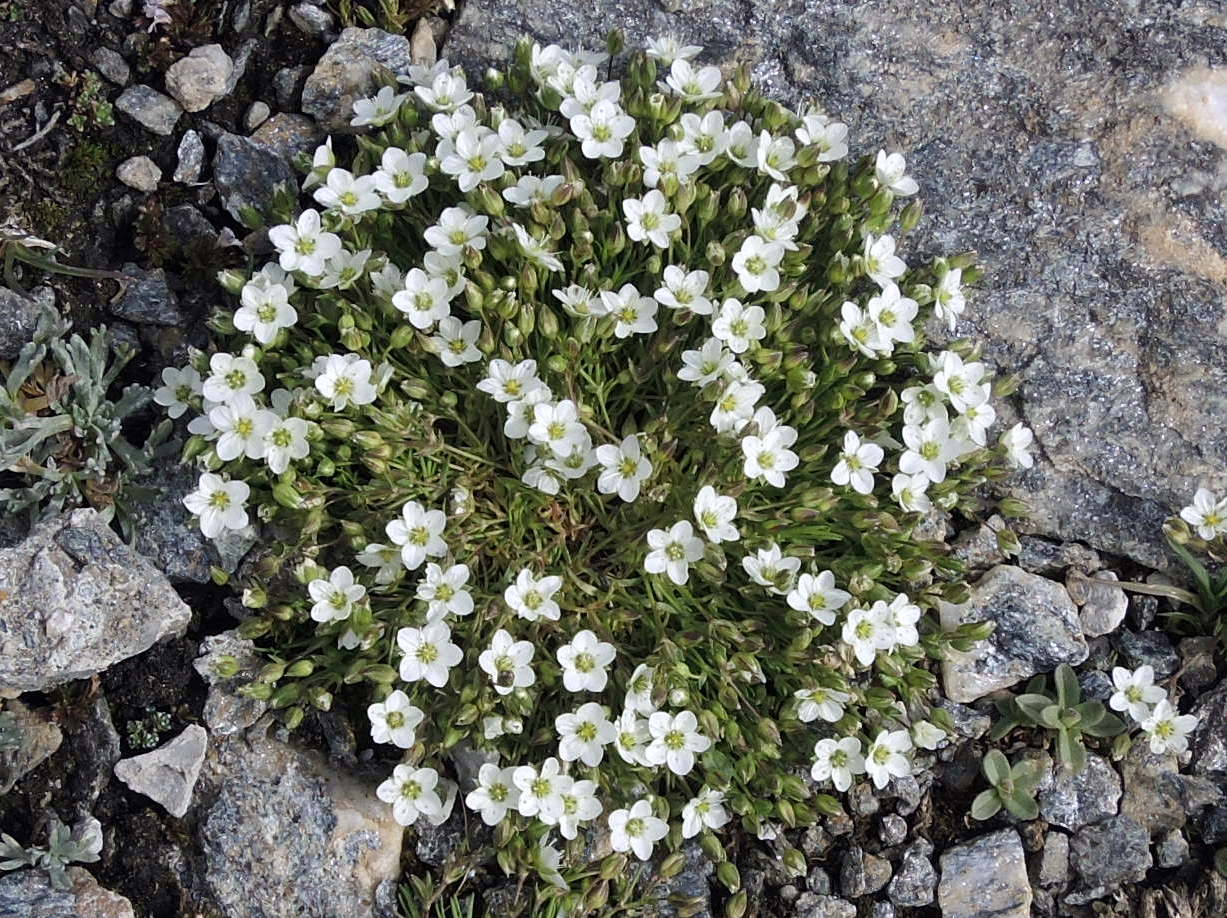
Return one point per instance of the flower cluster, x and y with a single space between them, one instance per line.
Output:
1148 706
605 427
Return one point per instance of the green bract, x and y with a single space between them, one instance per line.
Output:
600 427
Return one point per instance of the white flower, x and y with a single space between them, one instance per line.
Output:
447 268
1168 730
902 614
948 298
738 326
540 790
506 661
675 741
757 264
494 727
704 811
580 301
507 383
378 110
632 737
424 299
667 158
531 189
411 791
818 596
928 450
343 269
446 92
584 734
347 194
583 663
603 131
741 145
959 382
636 829
867 631
891 173
673 551
418 534
886 757
668 49
444 592
635 314
303 245
837 761
1017 444
862 332
429 653
241 424
557 426
974 422
735 406
179 390
704 136
586 92
472 158
394 720
401 175
1136 691
456 342
775 156
769 457
625 468
546 861
448 125
219 504
707 365
230 376
346 380
649 218
519 147
909 492
685 290
322 160
715 514
881 263
927 735
536 250
457 229
830 137
857 463
265 310
827 703
921 404
494 795
531 598
384 558
639 690
579 804
1207 514
768 567
334 597
693 84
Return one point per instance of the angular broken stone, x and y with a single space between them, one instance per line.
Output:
201 78
985 878
168 774
150 109
350 70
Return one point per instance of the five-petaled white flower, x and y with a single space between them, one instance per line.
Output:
603 130
532 189
446 92
303 245
891 172
536 250
1168 729
411 791
770 568
531 597
584 661
705 811
673 551
738 325
346 380
757 264
867 631
241 425
829 137
394 720
632 737
557 425
401 175
1207 514
881 263
219 503
633 314
775 156
456 342
346 193
704 136
862 332
838 761
179 391
505 382
418 533
507 662
335 596
768 457
693 84
948 298
584 734
231 375
909 492
540 790
827 703
579 804
893 313
429 653
264 310
472 158
929 449
818 596
959 382
715 514
1136 691
639 690
519 147
666 159
457 228
649 218
857 463
424 299
443 590
667 49
886 757
625 468
636 829
1017 445
675 741
494 795
379 109
385 559
685 290
707 364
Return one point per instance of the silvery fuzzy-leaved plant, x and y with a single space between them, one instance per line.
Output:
596 432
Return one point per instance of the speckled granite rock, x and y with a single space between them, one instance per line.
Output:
985 878
29 894
1075 145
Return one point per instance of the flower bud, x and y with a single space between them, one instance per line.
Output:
232 281
715 253
736 906
672 865
737 204
226 668
287 496
260 691
613 866
300 668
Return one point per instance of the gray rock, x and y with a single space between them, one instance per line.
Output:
287 85
977 548
226 712
168 774
1076 800
1106 855
1148 647
92 749
1096 685
1053 870
18 319
467 760
915 881
150 109
692 882
1100 240
29 894
892 830
148 299
815 842
1156 796
1197 667
257 113
907 792
985 878
861 873
288 135
247 174
38 738
201 78
1211 825
139 172
241 58
351 69
284 834
861 800
79 600
112 66
882 910
1209 741
189 227
1036 628
166 533
1172 850
969 724
191 158
1040 556
812 905
310 19
1105 606
819 881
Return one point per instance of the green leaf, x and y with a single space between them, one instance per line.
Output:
1107 725
1071 751
1026 775
996 767
1091 712
1050 717
1068 691
986 805
1022 805
1032 706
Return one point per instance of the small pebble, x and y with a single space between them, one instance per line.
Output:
191 158
310 19
139 172
112 66
256 115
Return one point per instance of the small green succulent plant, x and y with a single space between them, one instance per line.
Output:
80 844
1013 787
